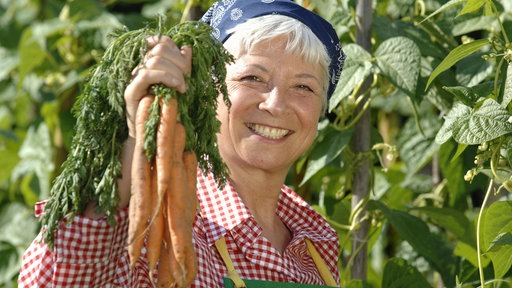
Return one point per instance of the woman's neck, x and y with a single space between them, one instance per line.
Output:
260 193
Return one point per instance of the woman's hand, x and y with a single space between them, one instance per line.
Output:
164 63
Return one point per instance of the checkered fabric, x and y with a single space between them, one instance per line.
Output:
91 253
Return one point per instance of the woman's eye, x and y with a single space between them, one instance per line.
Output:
305 87
250 78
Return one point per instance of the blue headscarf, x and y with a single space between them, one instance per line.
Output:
226 14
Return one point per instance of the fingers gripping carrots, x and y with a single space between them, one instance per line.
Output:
166 187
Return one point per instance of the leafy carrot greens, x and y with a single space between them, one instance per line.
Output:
90 172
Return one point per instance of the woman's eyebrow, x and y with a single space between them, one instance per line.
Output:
307 76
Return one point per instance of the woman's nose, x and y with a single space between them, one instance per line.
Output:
275 101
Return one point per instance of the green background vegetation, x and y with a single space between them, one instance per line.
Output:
438 211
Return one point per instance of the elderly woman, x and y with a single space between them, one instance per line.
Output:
255 231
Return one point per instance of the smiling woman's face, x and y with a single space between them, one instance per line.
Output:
276 102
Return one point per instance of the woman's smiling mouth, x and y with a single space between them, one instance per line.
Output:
268 132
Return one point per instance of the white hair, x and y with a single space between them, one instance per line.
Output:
300 40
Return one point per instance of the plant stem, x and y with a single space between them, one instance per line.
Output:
480 214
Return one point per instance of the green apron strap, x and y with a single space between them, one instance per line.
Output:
223 250
324 271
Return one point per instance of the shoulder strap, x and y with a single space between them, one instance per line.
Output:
232 274
324 271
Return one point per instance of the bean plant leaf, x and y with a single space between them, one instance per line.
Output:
455 56
483 124
470 95
427 244
36 156
399 274
496 229
399 59
445 132
507 92
357 68
416 148
10 61
445 6
472 6
502 239
31 53
326 150
450 219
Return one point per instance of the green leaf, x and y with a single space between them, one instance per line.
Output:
502 239
470 95
31 54
445 132
357 68
483 124
507 92
452 167
36 155
10 261
474 69
497 221
10 61
450 219
445 6
399 59
326 150
399 274
469 253
18 226
416 149
471 6
427 244
455 56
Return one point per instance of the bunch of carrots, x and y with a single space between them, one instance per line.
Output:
176 134
163 191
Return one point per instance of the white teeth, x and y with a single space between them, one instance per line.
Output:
268 132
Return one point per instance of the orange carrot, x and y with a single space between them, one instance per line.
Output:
164 141
155 232
190 163
140 201
165 276
179 206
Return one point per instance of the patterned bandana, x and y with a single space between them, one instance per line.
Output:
226 14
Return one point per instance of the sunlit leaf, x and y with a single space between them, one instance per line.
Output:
468 252
36 157
31 54
472 6
399 59
17 224
445 132
483 124
455 56
10 60
504 238
445 6
498 221
507 92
